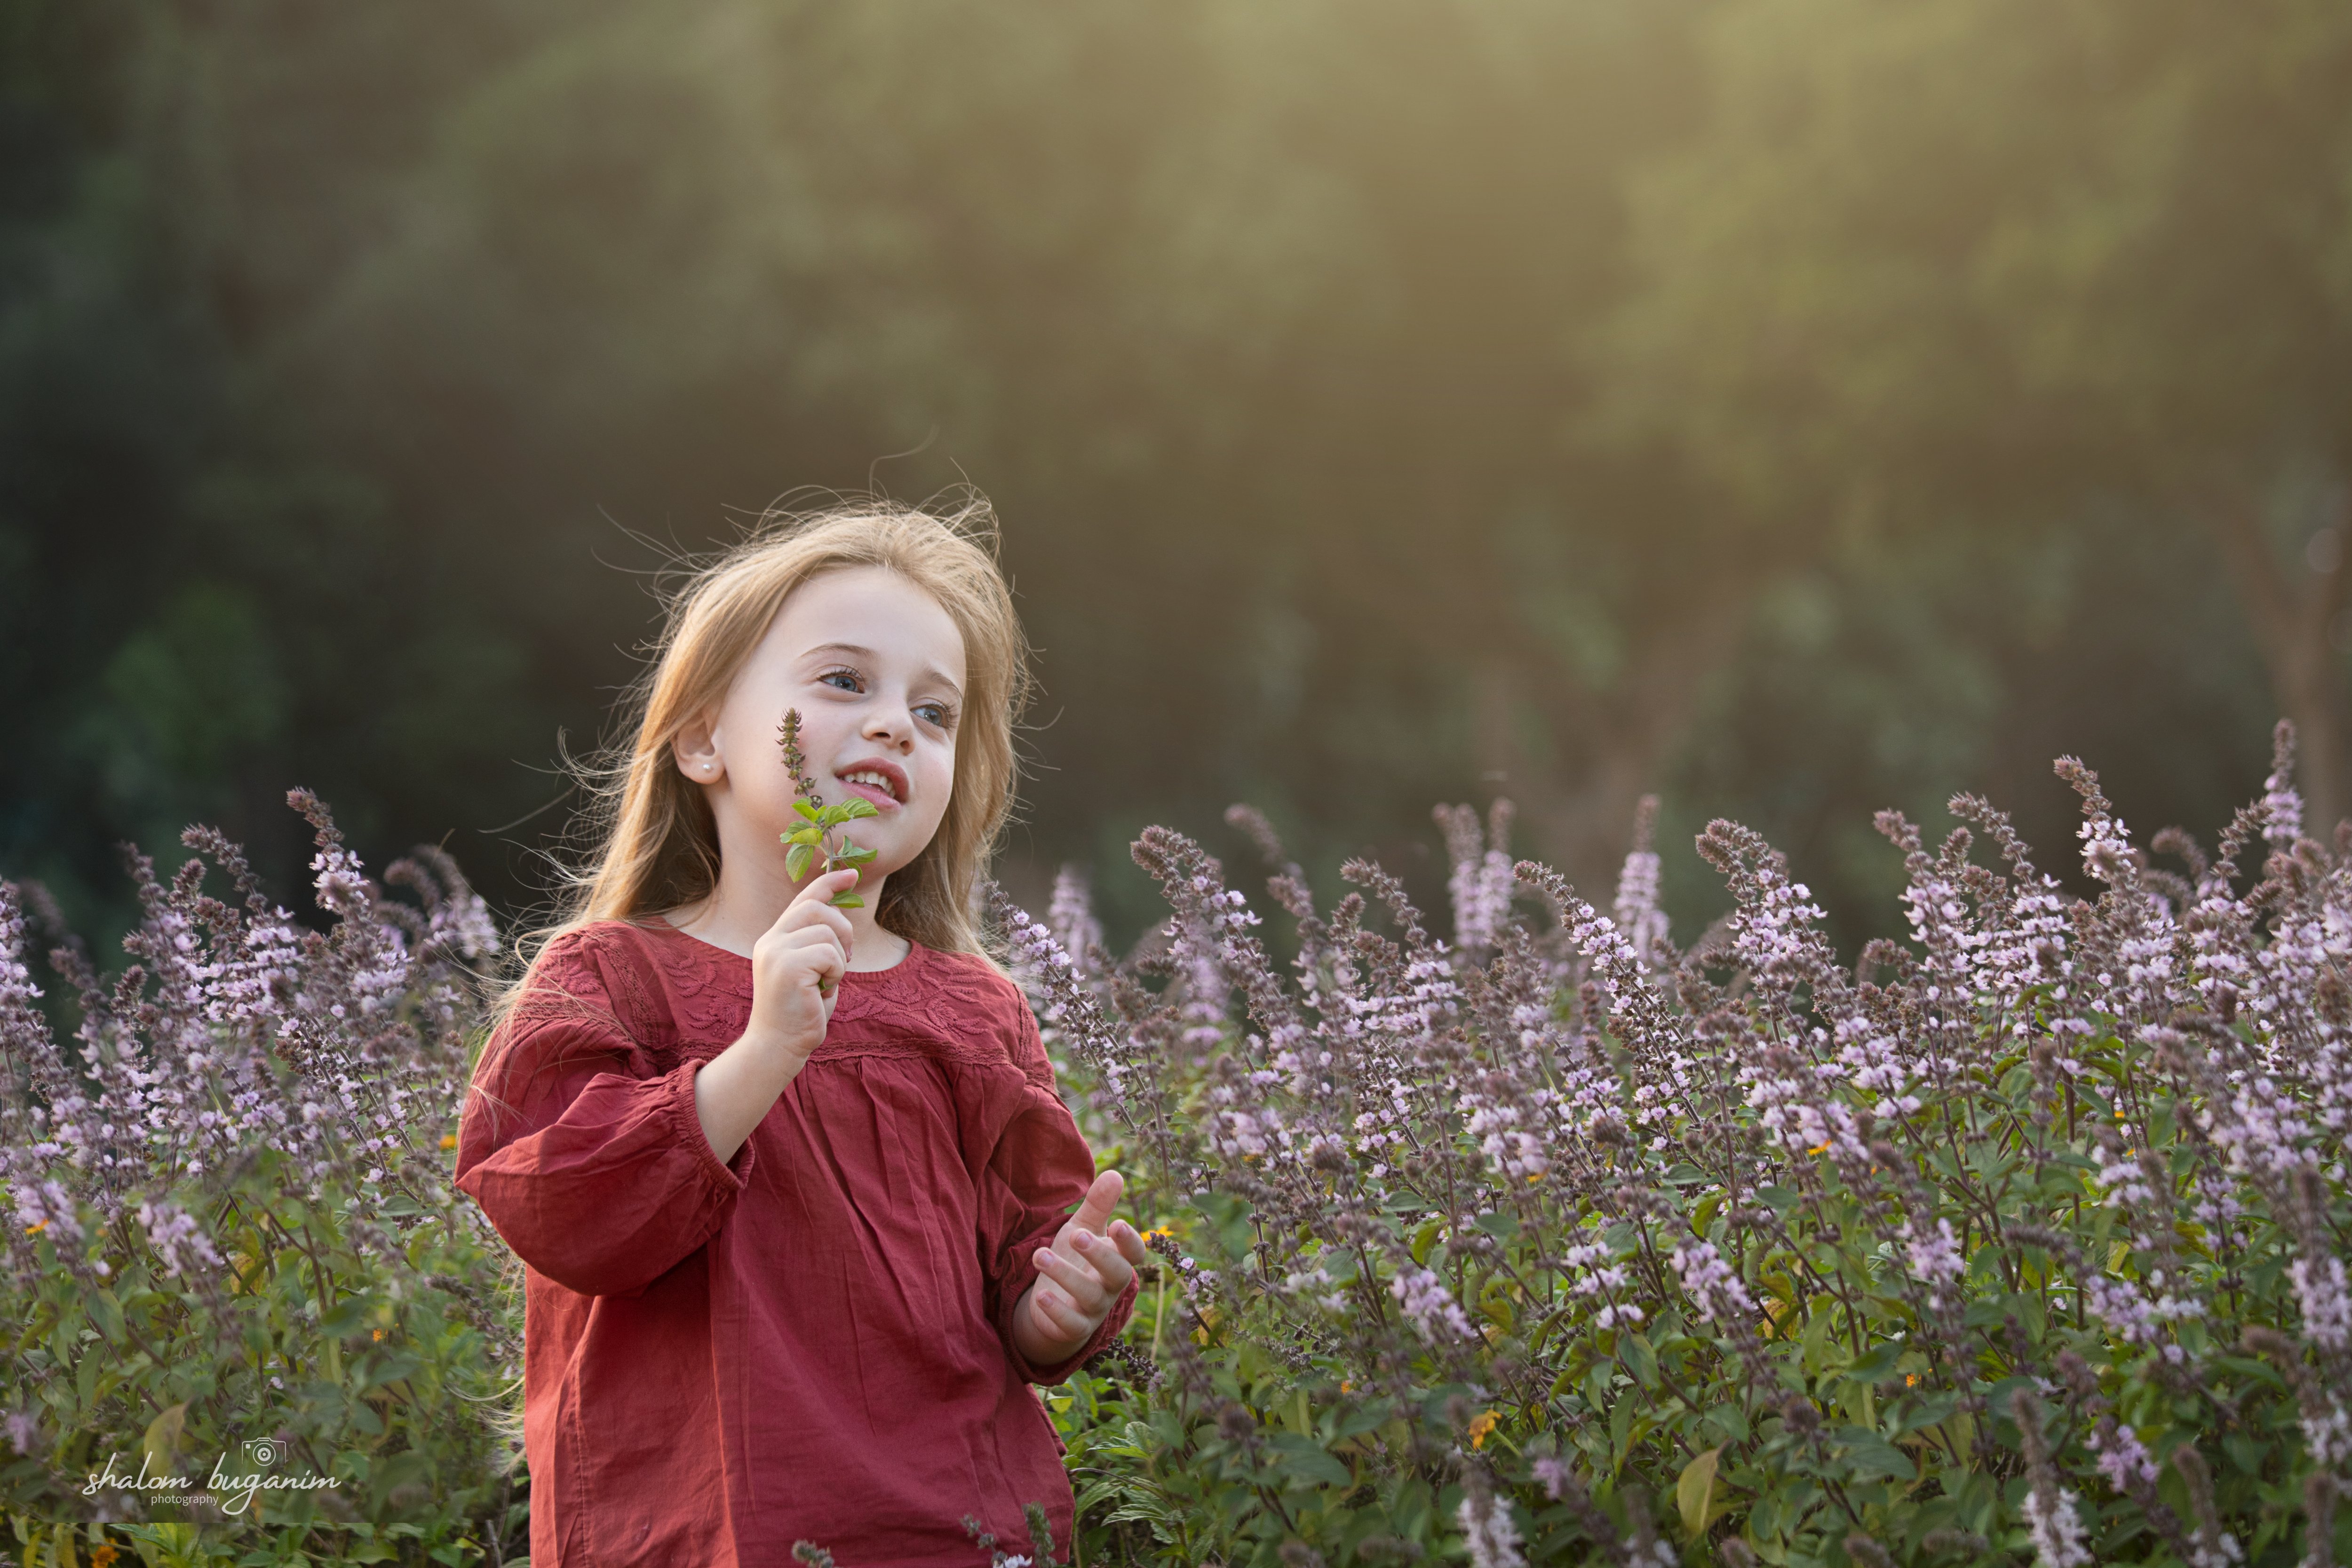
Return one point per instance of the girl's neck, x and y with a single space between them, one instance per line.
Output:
737 915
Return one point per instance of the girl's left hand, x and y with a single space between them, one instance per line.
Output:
1080 1276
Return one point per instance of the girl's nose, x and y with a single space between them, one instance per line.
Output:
891 724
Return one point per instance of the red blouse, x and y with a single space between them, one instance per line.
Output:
811 1342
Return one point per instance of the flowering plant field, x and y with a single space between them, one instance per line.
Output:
2023 1240
253 1322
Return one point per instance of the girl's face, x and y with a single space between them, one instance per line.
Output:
876 670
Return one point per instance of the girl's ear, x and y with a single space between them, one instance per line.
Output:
696 747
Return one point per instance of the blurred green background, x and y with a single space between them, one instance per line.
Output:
1791 406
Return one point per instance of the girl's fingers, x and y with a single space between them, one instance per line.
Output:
802 915
813 936
1061 1318
820 947
1084 1287
1131 1245
1109 1266
812 907
818 894
1101 1198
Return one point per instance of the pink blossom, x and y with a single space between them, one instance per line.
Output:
2057 1529
1492 1540
1428 1305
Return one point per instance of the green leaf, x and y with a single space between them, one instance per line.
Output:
405 1468
854 856
1694 1492
346 1317
1640 1359
1877 1363
107 1313
1815 1341
1874 1456
805 809
1959 1432
1305 1457
161 1442
796 861
846 901
857 807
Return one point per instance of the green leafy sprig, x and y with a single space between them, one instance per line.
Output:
819 836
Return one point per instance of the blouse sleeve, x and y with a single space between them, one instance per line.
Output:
596 1171
1035 1177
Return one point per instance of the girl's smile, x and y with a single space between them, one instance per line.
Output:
878 781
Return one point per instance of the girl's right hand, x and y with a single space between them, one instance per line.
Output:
796 968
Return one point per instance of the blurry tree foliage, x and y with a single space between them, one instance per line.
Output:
1798 408
1987 264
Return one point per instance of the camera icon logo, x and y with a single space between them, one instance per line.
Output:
262 1450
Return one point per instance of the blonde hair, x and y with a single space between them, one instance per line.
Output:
655 842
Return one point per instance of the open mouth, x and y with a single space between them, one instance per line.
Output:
876 782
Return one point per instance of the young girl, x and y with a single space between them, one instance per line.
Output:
792 1182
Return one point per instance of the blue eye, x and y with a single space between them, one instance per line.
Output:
844 679
938 714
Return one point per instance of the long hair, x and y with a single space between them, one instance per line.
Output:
654 843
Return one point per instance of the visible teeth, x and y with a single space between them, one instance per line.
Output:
876 780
